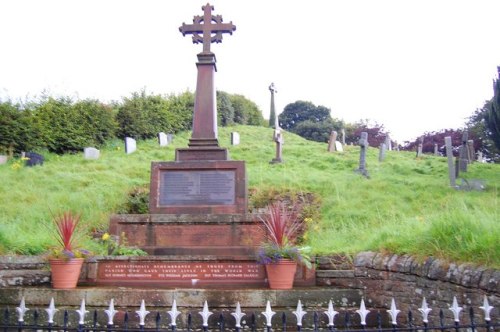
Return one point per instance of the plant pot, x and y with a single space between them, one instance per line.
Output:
280 275
65 272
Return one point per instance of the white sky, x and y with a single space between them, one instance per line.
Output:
411 65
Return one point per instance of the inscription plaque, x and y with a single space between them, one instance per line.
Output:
211 187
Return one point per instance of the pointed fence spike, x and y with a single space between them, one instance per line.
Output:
205 313
269 313
142 313
174 313
486 309
238 315
110 312
81 313
51 311
299 313
394 312
456 310
362 312
424 310
331 313
21 310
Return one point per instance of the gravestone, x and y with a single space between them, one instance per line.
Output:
235 138
388 142
451 165
162 139
91 153
130 145
419 146
470 150
3 159
480 157
170 138
363 143
342 131
34 159
331 141
279 148
463 153
339 147
381 154
436 151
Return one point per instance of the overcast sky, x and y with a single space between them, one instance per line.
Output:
413 66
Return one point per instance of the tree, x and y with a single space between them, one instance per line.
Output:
225 110
246 111
492 116
300 111
376 132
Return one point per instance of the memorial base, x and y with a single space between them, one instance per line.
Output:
185 271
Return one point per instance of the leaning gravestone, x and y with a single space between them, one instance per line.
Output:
34 159
331 141
91 153
130 145
162 139
235 138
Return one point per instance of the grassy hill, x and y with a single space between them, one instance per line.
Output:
406 206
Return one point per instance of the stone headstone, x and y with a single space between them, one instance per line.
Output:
235 138
170 138
3 159
480 157
381 154
388 142
420 146
162 139
331 141
279 149
339 147
342 131
463 153
91 153
436 150
470 150
451 165
34 159
130 145
363 143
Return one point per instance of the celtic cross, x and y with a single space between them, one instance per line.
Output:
209 26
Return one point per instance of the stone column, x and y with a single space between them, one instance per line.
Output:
381 154
436 151
331 142
463 154
279 149
363 143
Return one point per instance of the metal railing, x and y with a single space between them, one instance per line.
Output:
328 320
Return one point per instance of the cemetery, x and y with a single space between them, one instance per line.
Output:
188 233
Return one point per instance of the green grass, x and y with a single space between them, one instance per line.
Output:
406 206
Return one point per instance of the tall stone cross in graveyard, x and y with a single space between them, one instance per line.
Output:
273 119
363 143
205 29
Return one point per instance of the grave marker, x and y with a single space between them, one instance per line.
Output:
339 147
436 151
388 142
235 138
3 159
419 146
91 153
463 154
342 131
34 159
363 143
162 139
279 148
273 117
451 165
381 154
130 145
331 141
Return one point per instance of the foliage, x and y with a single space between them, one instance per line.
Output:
66 236
431 138
317 131
118 246
376 133
225 110
492 117
14 128
283 228
300 111
246 112
137 201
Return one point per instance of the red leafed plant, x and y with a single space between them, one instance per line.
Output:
283 227
66 225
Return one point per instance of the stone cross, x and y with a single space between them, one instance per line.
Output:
343 136
436 151
273 118
463 153
470 150
209 26
279 148
363 143
451 165
204 144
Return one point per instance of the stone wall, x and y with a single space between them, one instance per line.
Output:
408 280
379 278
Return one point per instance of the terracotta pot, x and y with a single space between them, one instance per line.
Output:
65 273
281 274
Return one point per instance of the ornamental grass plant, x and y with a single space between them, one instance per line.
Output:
67 237
283 228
